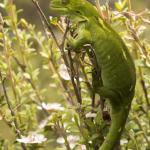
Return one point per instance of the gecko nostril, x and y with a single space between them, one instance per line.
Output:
65 1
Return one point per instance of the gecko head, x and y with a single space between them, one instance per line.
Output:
65 7
73 8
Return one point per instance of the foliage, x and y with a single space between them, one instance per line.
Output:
46 91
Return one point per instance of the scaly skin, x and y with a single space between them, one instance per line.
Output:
117 67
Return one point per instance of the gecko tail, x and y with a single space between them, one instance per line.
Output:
118 117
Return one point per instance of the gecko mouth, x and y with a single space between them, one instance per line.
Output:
57 8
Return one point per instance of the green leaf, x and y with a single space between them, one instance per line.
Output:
54 20
120 5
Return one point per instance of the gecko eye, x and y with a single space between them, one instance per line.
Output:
78 12
65 1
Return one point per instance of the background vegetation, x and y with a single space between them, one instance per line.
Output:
38 98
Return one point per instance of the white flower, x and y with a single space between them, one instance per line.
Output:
141 29
50 17
51 107
32 138
83 147
72 139
63 72
60 140
90 115
123 141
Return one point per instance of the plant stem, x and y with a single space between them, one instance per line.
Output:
35 2
18 131
129 5
59 126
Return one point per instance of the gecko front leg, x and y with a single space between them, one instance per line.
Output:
83 37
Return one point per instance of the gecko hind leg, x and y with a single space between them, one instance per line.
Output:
113 96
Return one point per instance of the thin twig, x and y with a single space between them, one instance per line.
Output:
72 74
63 133
89 86
35 2
139 43
18 131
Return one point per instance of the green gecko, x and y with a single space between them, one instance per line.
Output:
117 66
